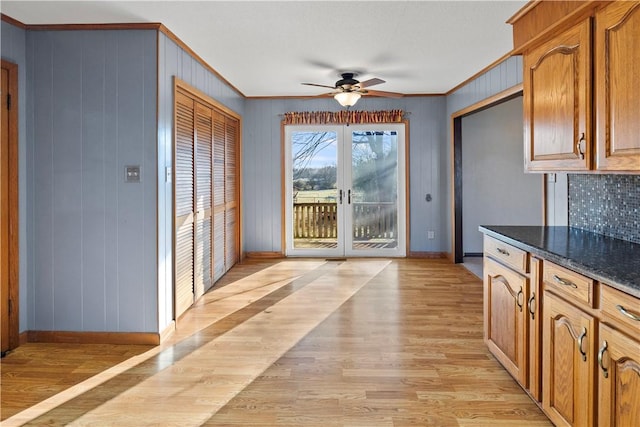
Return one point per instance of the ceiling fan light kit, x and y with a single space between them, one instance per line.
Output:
347 99
349 90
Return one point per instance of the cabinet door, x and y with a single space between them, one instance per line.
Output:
505 317
618 379
557 102
617 77
568 365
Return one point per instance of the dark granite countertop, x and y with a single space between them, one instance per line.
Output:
612 261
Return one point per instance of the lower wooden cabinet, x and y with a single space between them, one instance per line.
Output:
571 342
618 379
505 317
568 363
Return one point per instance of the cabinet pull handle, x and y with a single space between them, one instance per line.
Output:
581 338
349 196
629 314
564 282
579 146
532 300
340 196
605 371
502 251
518 295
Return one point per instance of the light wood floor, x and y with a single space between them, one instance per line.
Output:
303 343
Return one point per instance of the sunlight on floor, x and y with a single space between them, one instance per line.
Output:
210 375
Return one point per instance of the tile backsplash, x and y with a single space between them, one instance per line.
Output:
606 204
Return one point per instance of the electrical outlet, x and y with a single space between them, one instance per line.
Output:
431 234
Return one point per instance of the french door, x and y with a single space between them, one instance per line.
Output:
345 190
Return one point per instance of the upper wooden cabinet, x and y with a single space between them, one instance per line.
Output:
581 91
617 86
557 102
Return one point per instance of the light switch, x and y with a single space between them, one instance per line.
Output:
132 173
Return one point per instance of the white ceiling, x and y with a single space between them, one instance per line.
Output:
267 48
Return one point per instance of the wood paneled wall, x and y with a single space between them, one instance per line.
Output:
14 49
91 110
262 166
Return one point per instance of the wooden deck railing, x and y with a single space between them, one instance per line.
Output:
371 220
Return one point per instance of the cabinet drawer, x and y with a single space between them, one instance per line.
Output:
505 253
570 284
620 307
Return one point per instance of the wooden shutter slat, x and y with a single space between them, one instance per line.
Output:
230 238
184 268
184 155
231 127
218 245
218 159
184 194
204 127
203 256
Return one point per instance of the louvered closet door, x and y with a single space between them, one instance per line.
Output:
184 196
203 156
219 225
231 192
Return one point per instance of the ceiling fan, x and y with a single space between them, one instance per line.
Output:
347 90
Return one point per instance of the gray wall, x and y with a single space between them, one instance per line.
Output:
495 189
262 168
557 199
14 49
91 110
174 61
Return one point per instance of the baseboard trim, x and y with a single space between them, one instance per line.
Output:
429 255
264 255
168 331
142 338
23 338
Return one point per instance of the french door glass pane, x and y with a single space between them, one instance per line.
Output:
315 194
374 189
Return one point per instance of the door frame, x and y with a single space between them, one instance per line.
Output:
457 254
404 227
14 218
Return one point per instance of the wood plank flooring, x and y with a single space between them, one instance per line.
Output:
306 343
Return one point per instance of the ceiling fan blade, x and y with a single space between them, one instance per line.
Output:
314 84
371 82
385 94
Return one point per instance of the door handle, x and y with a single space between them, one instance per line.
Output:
349 196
